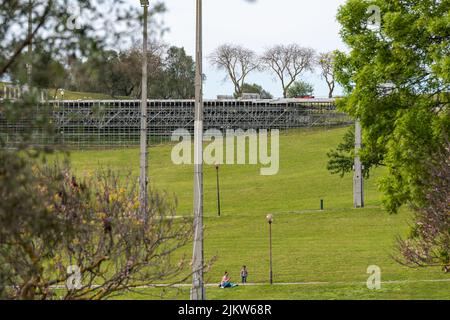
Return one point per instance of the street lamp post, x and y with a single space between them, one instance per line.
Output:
143 180
269 218
218 190
198 289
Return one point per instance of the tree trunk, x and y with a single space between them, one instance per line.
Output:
331 88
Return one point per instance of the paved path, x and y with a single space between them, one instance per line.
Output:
188 285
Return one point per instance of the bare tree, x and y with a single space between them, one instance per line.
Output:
237 61
326 63
131 67
429 240
78 239
288 63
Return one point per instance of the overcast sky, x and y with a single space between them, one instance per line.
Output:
257 25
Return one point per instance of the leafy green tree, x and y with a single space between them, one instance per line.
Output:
48 72
52 223
397 82
171 73
300 89
179 74
99 73
65 27
63 32
119 73
256 88
342 158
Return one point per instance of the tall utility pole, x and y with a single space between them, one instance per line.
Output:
198 288
358 180
143 180
30 44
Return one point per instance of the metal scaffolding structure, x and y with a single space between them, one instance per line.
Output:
114 123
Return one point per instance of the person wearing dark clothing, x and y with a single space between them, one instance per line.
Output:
244 274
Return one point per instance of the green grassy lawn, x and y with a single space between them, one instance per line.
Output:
326 291
73 95
300 184
333 247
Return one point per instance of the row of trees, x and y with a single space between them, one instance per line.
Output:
85 235
171 72
287 62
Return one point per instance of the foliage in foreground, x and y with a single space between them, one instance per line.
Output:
64 34
171 73
86 237
429 240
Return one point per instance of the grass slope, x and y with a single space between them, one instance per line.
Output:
75 95
334 246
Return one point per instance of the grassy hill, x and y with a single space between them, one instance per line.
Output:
327 251
74 95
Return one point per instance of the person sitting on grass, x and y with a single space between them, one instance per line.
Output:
226 282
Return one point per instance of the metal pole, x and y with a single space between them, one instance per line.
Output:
270 253
143 180
30 44
198 290
358 180
218 190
